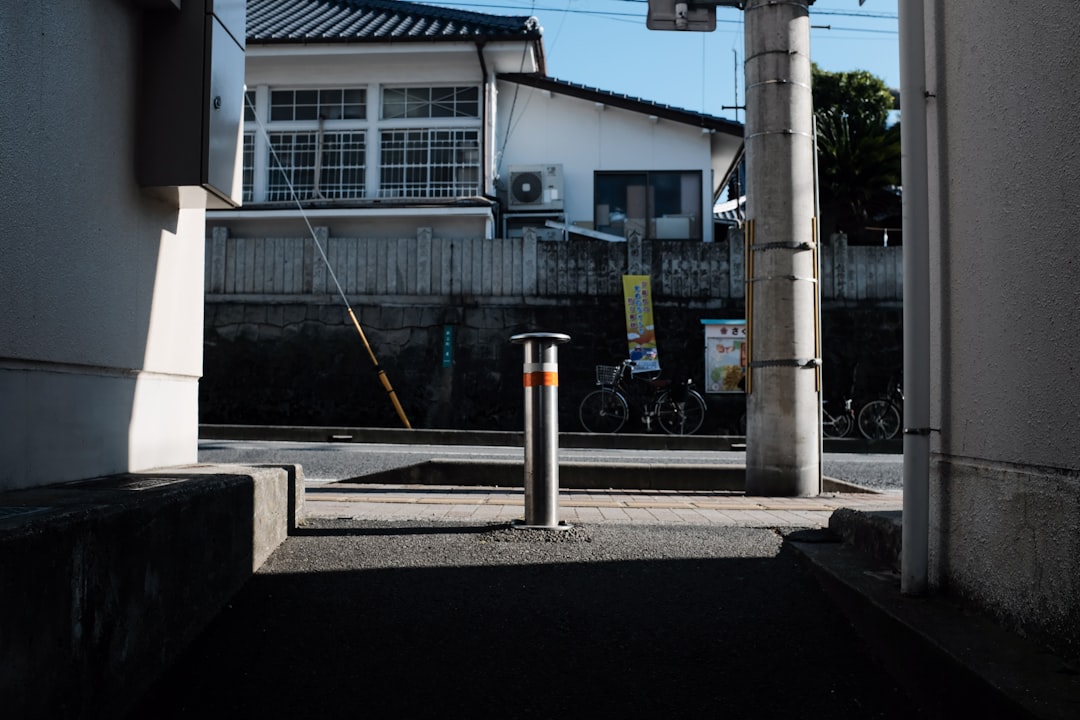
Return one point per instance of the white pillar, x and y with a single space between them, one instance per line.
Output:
914 555
783 436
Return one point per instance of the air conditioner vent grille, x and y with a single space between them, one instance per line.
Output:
535 187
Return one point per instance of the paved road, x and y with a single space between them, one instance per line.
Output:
421 620
338 461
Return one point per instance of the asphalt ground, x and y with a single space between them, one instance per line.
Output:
418 619
423 601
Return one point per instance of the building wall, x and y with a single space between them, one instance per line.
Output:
101 284
540 128
1005 216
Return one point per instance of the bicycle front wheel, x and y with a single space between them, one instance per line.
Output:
603 411
879 420
683 417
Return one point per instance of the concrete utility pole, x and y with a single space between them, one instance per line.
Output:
783 433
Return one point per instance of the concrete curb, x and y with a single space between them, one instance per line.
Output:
878 534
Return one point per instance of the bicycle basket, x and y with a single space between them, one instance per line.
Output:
606 374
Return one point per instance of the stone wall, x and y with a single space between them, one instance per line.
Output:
305 364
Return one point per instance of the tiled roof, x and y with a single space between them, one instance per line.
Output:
627 102
284 21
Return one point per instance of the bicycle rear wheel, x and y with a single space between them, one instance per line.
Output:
603 411
682 417
839 426
879 420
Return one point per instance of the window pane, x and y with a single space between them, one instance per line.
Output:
393 103
666 192
354 104
660 205
615 193
281 105
468 102
677 211
304 111
431 102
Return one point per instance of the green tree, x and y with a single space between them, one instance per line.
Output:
858 154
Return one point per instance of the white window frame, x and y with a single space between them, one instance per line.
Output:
319 131
458 140
460 137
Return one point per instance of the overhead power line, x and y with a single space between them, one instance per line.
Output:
615 15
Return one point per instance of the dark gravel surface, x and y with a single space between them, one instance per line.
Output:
411 620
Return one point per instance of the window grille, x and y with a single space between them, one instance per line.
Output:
339 174
431 163
343 165
248 187
292 162
318 144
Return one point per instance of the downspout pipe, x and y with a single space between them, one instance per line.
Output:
485 111
914 554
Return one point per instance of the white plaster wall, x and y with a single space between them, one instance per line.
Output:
1005 218
537 128
1010 219
101 284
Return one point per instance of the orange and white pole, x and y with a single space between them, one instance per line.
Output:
540 378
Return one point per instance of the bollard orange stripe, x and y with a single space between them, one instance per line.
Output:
534 379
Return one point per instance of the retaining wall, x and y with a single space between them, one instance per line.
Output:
105 581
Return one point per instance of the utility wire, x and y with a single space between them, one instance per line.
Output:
637 17
333 276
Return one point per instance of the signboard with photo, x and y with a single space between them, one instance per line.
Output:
725 355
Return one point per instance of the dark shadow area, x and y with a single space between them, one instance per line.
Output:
611 621
112 582
349 531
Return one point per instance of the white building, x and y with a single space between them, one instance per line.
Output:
387 117
1004 215
101 282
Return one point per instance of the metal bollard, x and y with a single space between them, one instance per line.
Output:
541 382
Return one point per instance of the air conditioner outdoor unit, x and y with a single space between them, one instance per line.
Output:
535 187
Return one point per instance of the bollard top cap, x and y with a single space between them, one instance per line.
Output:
549 336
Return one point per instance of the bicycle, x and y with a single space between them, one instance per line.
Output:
881 419
834 426
676 407
839 425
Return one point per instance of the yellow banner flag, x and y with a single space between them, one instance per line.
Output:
640 331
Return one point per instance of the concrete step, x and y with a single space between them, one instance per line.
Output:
954 660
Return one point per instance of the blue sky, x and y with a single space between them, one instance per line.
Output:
605 44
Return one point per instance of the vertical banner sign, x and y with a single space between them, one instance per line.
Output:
447 346
640 331
725 355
